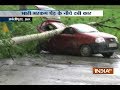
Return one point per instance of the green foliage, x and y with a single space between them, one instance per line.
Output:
4 49
19 29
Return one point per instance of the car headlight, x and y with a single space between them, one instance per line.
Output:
99 40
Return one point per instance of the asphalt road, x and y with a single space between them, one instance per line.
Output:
49 69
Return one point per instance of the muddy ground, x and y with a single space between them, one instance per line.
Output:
49 69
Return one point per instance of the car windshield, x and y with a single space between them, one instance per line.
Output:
83 28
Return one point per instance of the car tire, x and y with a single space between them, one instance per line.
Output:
85 51
41 46
108 55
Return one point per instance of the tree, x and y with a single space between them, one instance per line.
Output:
27 38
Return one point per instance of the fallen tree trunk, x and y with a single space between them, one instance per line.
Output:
22 39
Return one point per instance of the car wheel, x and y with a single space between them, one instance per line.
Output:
41 46
109 54
85 51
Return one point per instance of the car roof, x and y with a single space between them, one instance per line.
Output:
80 25
83 27
58 24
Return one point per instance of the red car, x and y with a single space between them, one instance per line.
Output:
78 39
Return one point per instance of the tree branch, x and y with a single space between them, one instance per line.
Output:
101 23
118 28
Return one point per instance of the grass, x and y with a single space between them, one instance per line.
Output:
25 28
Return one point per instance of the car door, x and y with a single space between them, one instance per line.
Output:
65 41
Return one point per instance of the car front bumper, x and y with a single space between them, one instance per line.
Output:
103 47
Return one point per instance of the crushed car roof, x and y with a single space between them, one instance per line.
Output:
58 24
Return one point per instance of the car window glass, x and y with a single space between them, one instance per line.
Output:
48 27
68 31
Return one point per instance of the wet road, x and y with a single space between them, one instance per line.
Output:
49 69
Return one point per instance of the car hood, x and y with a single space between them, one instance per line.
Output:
100 34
